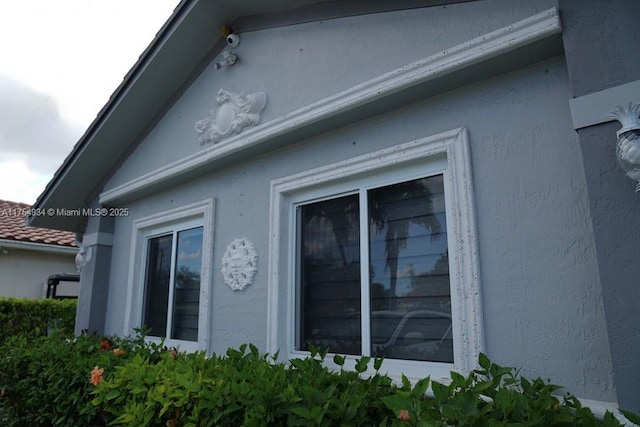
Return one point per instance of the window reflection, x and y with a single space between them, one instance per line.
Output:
186 297
409 269
157 278
184 264
408 262
330 275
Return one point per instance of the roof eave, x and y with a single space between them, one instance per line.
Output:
51 196
38 247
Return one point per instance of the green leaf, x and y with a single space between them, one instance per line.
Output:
396 403
362 363
457 379
440 391
634 418
338 360
406 384
112 394
377 363
482 386
484 361
466 404
610 420
302 412
421 387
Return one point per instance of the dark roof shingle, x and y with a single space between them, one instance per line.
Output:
13 226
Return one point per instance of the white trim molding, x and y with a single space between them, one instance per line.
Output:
204 212
596 108
446 153
429 69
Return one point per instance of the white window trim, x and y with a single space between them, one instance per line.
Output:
203 212
462 239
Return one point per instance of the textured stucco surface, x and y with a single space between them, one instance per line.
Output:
602 41
615 208
541 297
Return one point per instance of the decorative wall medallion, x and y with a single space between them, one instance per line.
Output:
232 113
239 264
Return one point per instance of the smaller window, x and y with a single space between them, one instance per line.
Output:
170 276
172 284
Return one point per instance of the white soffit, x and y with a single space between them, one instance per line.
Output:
472 52
595 108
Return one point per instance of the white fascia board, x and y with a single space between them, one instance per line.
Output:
39 247
595 108
477 50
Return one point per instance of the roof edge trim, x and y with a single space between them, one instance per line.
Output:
129 79
40 247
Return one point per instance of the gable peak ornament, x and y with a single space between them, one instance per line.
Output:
232 113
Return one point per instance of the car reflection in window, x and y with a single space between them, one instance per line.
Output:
423 335
412 335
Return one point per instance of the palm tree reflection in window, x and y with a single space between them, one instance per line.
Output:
330 275
392 210
408 271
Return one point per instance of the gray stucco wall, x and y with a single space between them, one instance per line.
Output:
602 41
94 280
541 297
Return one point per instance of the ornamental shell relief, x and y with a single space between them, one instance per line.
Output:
239 264
232 113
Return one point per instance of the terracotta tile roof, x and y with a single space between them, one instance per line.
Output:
13 227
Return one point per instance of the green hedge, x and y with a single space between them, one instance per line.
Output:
97 381
35 317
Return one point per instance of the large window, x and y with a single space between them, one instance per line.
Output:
170 276
377 255
398 272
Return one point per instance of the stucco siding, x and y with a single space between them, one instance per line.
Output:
541 297
598 38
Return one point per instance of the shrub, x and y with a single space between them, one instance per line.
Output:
44 381
34 317
94 381
241 388
244 388
490 396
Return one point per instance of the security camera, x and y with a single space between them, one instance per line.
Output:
233 40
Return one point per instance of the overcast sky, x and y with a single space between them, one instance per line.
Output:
60 60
